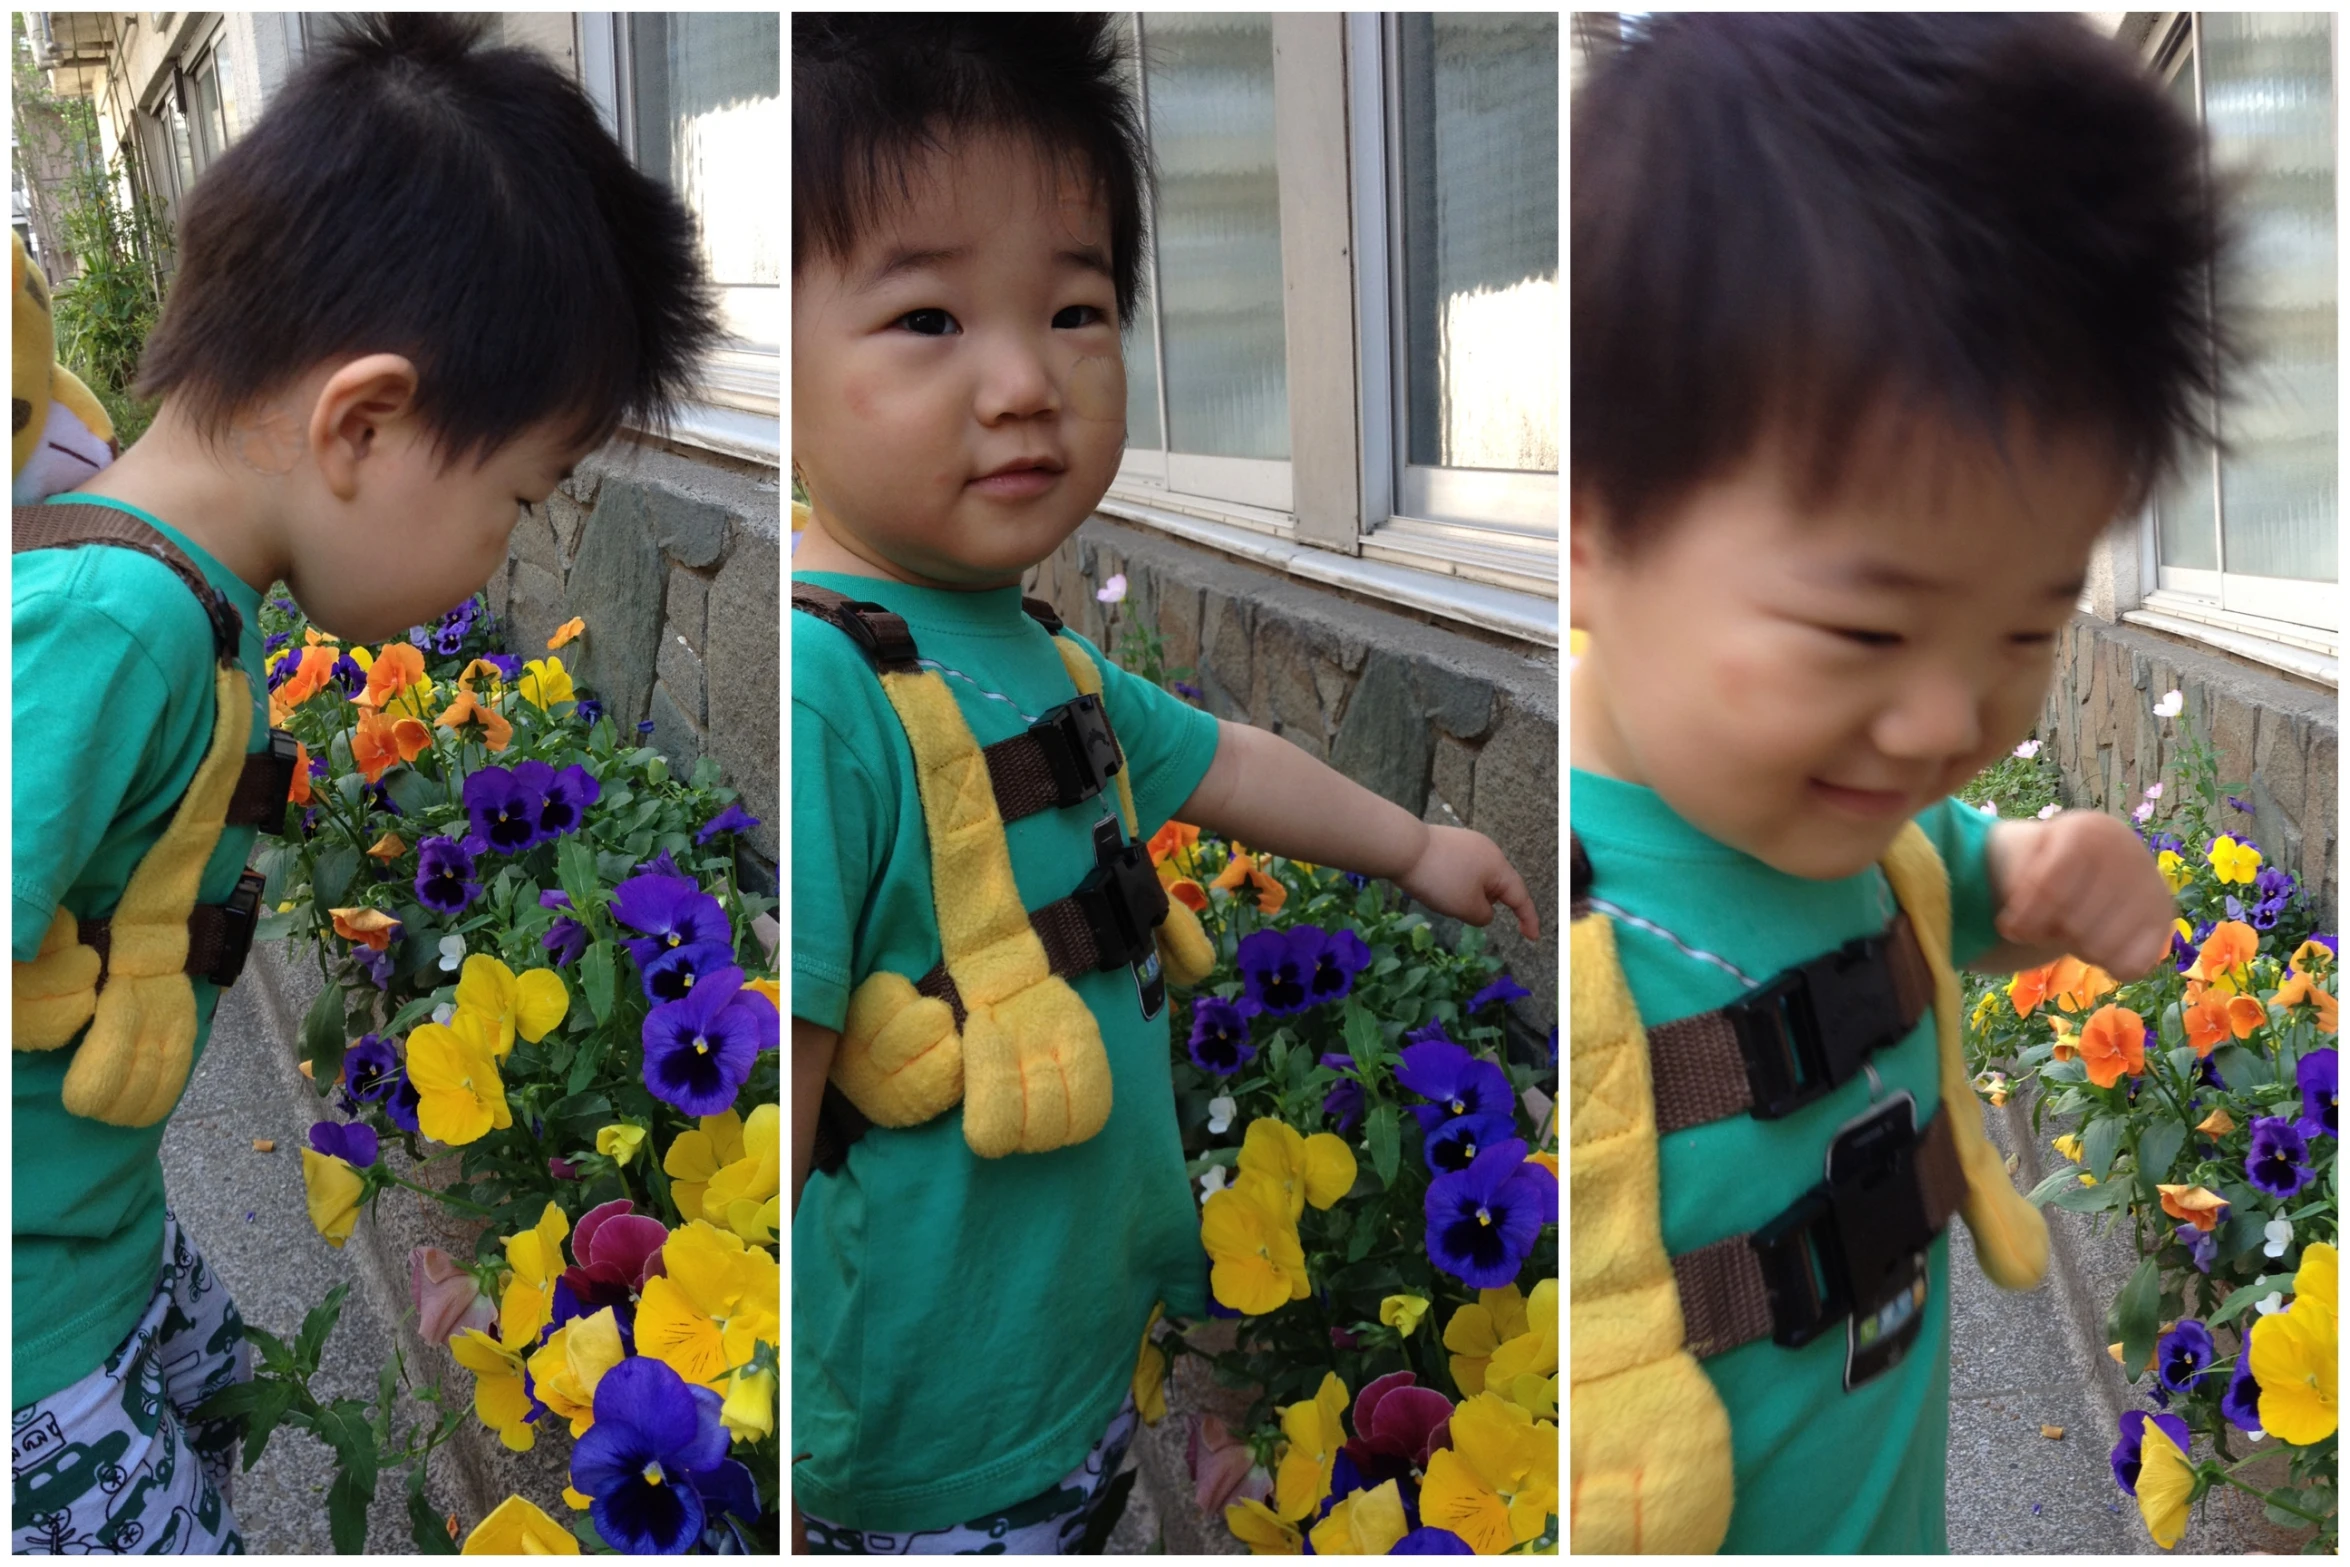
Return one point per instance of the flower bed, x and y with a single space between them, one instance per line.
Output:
1380 1210
543 986
2202 1101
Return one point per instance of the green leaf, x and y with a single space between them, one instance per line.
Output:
316 1327
2241 1067
2064 1180
2092 1199
576 870
2158 1149
595 978
330 880
2242 1300
2134 1317
346 1511
323 1040
1364 1041
429 1532
1382 1131
274 926
583 1066
269 1412
2100 1142
2281 1518
410 1015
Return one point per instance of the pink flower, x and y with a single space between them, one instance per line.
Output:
2028 750
1222 1467
1114 590
2047 811
2154 791
616 1249
2144 810
448 1299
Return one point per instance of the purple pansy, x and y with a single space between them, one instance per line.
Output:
2202 1246
1330 960
2241 1402
354 1143
400 1106
669 910
370 1068
567 938
1459 1139
377 966
1272 974
2318 1077
2183 1354
504 809
1220 1040
655 1461
671 974
444 875
1483 1221
1501 992
699 1051
2126 1452
589 710
2278 1161
1429 1540
733 819
1344 1102
1459 1083
563 797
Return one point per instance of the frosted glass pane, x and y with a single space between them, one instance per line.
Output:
1210 82
708 89
2186 520
1478 126
2268 100
1141 339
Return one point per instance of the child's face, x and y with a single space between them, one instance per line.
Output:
958 394
1799 684
415 540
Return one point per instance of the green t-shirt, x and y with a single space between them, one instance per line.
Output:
1818 1470
964 1328
114 710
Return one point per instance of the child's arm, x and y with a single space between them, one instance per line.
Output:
1270 795
811 1063
2078 883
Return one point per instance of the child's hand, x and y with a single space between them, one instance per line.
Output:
1463 874
2082 883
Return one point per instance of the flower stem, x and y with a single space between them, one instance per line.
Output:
438 1196
2267 1497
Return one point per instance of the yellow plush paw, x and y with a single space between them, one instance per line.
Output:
1035 1076
55 993
1184 949
899 1061
134 1061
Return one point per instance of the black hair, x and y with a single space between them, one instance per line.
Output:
872 93
1785 225
412 191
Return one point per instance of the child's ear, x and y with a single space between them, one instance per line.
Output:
354 405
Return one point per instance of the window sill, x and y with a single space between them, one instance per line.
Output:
731 432
1525 616
2246 637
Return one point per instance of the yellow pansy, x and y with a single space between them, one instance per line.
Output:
2294 1355
749 1411
1317 1169
1150 1372
1258 1262
1524 1369
334 1190
717 1302
567 1368
745 1195
619 1142
454 1067
697 1156
1366 1523
2069 1145
499 1397
2166 1483
2174 870
1478 1329
536 1256
1498 1483
529 1004
1313 1427
1254 1525
2233 861
545 682
519 1528
1403 1312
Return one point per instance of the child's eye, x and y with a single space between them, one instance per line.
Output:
928 323
1073 316
2031 638
1864 638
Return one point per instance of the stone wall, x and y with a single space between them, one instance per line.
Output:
673 562
2279 734
1456 729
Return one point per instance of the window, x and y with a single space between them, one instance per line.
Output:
2245 541
191 118
1352 306
697 98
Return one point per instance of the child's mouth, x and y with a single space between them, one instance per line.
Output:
1013 484
1872 804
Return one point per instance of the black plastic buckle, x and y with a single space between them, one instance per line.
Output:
1808 1031
284 755
1079 748
1123 903
1839 1242
239 916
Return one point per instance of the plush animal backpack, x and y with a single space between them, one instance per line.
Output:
126 977
1650 1464
995 1026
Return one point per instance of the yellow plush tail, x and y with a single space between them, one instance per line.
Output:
134 1061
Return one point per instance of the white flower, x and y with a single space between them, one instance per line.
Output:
2170 704
1989 807
1112 591
2144 811
442 1013
1221 1110
452 953
2255 1435
2154 791
2280 1236
1213 1182
2270 1304
2047 811
2028 750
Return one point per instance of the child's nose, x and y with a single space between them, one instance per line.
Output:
1016 383
1935 716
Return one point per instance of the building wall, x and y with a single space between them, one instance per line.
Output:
2276 733
673 561
1457 730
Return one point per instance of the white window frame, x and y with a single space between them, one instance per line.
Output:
740 412
2284 622
1470 545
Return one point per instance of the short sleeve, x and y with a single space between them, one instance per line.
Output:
72 773
1169 744
1962 835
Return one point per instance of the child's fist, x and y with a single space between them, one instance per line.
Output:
2081 883
1463 874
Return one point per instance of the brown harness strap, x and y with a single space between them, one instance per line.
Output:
1070 947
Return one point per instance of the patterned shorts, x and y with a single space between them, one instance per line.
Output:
1053 1523
110 1465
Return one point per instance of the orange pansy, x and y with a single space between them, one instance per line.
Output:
1174 838
565 632
299 793
395 669
378 742
310 676
2230 946
2194 1205
2113 1045
368 927
2300 987
470 709
387 848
